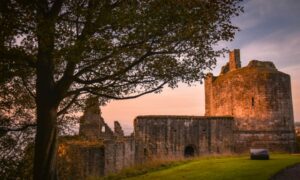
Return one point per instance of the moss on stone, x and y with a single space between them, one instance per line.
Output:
80 141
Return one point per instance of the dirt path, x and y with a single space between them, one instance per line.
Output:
290 173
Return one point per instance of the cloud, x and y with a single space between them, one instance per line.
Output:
260 12
280 47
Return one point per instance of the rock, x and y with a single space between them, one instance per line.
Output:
259 154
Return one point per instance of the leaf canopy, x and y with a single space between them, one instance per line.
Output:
113 49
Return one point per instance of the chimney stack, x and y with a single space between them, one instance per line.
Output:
234 60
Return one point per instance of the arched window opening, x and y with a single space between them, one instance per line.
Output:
189 151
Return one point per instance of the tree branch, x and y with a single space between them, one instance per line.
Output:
65 82
64 110
5 129
17 55
89 29
94 64
55 9
122 98
28 90
121 72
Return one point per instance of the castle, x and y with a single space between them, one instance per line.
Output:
245 107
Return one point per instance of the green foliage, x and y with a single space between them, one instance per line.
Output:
235 167
18 163
111 49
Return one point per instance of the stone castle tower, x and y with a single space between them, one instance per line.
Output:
259 98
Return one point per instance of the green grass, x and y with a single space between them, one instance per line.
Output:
223 168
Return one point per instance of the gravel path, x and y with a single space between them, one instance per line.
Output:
290 173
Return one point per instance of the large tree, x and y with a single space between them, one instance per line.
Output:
54 53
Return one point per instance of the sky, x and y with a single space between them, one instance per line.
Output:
270 31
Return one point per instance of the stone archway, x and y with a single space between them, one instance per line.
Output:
189 151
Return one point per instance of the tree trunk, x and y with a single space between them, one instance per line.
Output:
46 132
46 104
45 144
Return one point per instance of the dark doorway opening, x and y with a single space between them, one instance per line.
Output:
145 152
189 151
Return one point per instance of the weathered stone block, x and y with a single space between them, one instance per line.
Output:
259 154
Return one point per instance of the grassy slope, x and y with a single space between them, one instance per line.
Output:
225 168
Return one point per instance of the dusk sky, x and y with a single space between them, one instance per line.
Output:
270 31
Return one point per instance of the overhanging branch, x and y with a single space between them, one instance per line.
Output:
28 89
18 55
64 110
18 128
127 97
112 76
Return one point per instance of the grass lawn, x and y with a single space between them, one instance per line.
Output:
225 168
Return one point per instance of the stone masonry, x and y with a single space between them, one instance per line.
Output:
97 150
92 125
245 107
259 98
181 136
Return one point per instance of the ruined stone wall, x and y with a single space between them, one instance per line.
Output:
171 136
234 60
92 125
259 98
208 93
79 158
98 150
119 154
